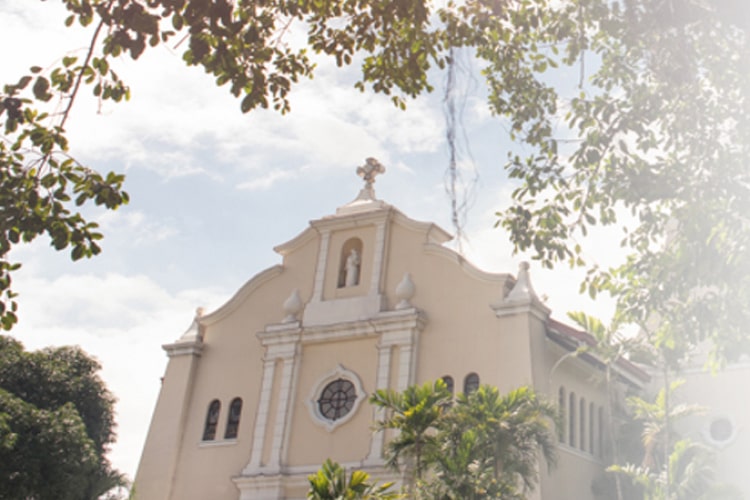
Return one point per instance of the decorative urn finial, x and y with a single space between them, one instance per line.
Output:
405 291
292 307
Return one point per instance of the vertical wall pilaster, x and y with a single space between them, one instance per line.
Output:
378 258
320 270
377 440
280 429
261 419
281 342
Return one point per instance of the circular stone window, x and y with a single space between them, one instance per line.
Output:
720 431
337 399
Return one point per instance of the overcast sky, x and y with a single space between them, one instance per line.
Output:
212 191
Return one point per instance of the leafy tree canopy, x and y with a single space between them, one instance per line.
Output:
246 47
660 131
56 423
659 128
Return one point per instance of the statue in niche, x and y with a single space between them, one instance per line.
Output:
352 268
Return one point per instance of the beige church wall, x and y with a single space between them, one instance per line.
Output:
575 376
157 467
299 268
310 442
544 354
571 478
462 333
724 396
579 463
231 366
208 470
366 234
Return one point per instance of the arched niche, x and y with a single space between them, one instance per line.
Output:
350 263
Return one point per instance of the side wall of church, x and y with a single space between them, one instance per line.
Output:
724 426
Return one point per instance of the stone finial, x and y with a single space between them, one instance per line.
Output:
522 298
522 290
194 330
292 307
191 342
405 291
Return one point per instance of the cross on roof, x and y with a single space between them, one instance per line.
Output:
369 170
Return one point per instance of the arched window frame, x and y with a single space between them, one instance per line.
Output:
212 420
572 419
600 432
471 383
562 405
582 424
233 419
449 383
592 426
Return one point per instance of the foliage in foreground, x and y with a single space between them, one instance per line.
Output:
56 424
673 467
483 445
331 483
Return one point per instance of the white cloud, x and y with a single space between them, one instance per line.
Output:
266 181
139 227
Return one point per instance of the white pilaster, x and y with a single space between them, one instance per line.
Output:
281 343
406 366
320 269
377 439
378 257
282 410
269 365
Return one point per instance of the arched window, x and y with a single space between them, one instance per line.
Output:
212 420
592 422
572 419
561 404
350 263
582 422
449 383
471 383
233 419
600 432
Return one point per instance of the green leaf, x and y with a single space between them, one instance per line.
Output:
248 103
41 89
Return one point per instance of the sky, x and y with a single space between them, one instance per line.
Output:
213 191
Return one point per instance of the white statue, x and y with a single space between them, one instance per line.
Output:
352 268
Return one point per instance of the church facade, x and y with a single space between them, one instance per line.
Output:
259 393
